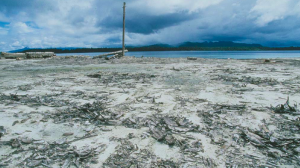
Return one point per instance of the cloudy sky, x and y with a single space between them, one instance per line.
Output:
98 23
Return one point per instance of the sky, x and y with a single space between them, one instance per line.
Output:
98 23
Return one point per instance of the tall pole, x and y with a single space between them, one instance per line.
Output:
123 40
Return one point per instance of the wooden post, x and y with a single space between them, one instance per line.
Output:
123 40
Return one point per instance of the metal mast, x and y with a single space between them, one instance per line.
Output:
123 40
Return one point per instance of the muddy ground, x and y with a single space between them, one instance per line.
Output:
149 112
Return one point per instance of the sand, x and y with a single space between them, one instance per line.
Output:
173 86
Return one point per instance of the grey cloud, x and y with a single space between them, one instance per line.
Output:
26 7
144 23
97 23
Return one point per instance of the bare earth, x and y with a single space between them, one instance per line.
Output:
149 112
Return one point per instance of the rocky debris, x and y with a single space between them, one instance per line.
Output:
123 81
95 113
268 141
164 127
170 140
122 158
88 113
286 108
198 131
159 125
158 133
2 131
96 75
129 155
247 80
277 147
26 140
25 87
234 136
133 122
191 58
68 134
45 100
15 122
113 77
57 153
228 107
175 69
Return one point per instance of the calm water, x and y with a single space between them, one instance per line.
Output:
206 54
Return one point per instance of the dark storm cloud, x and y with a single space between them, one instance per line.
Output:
223 37
97 23
115 39
145 23
290 23
27 7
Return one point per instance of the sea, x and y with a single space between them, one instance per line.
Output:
205 54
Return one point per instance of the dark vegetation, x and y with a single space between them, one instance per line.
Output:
187 46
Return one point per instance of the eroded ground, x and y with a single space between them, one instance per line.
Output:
149 112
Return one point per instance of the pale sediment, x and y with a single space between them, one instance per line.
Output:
143 112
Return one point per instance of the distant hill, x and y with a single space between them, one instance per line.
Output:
218 44
204 46
160 45
186 46
153 46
